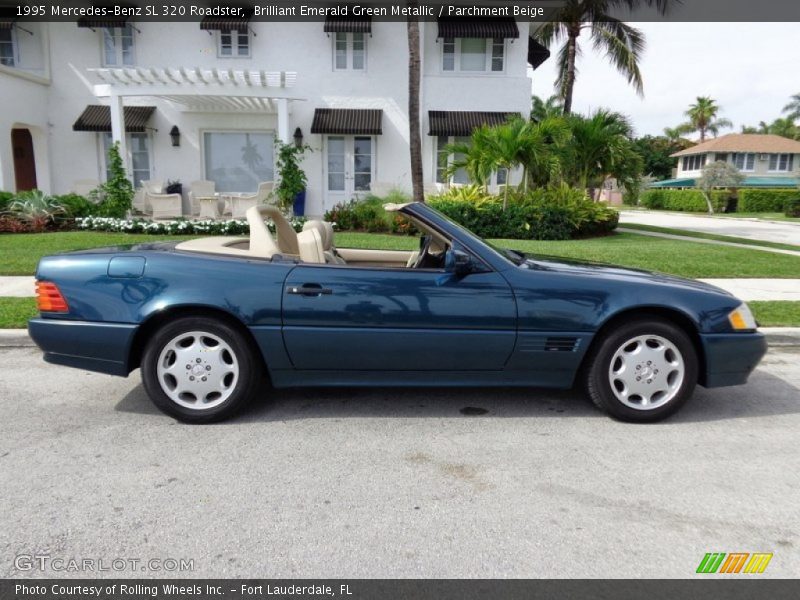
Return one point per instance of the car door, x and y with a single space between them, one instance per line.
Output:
359 318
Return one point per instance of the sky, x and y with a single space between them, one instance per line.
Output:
750 69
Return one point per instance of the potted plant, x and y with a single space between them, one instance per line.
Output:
174 187
291 190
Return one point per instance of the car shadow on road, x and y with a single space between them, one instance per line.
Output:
765 395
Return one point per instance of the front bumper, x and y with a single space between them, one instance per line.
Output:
731 357
101 347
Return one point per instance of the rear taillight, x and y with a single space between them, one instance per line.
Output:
49 298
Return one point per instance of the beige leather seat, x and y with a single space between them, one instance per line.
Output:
325 231
310 245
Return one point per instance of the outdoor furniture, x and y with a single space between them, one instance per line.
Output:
200 189
154 186
208 207
240 203
138 204
163 206
83 187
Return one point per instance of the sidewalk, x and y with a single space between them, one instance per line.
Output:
686 238
753 229
744 289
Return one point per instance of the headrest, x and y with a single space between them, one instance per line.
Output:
325 234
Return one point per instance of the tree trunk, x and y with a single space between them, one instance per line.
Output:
572 51
708 202
414 139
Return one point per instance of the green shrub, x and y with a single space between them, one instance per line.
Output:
117 191
792 207
367 214
36 209
5 200
465 193
683 200
754 200
76 206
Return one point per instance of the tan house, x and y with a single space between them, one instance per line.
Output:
764 160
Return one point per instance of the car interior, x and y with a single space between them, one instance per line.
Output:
315 244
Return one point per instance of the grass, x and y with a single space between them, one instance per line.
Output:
711 236
21 252
776 313
15 312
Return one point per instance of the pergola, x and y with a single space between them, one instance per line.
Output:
197 89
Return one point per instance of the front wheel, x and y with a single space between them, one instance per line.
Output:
200 370
643 371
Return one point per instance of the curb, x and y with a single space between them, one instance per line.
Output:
776 337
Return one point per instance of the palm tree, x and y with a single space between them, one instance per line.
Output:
545 109
601 147
703 118
675 134
414 138
784 127
793 108
621 43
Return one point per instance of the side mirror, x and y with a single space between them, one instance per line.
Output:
458 262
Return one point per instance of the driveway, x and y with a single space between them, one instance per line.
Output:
396 483
765 231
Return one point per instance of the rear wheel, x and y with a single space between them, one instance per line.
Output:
200 370
642 371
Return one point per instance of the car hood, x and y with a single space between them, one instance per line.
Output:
597 269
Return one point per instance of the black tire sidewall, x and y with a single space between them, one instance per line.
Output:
599 386
249 369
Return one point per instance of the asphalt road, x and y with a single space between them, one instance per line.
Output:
377 483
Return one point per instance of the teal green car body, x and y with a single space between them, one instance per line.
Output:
512 321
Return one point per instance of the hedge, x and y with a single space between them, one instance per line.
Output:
792 207
683 200
177 227
754 200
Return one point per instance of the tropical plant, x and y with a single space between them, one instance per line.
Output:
656 153
545 109
718 174
600 148
703 118
414 136
36 209
115 195
793 108
621 43
292 179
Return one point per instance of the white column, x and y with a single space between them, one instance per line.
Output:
283 119
118 128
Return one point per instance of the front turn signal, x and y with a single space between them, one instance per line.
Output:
741 319
49 298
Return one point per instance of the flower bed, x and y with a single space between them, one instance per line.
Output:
177 227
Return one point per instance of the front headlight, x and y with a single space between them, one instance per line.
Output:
741 319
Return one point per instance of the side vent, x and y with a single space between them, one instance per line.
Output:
561 344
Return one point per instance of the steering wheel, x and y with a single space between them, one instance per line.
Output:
424 245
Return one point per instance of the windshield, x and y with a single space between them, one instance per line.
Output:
514 256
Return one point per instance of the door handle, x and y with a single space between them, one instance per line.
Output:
308 289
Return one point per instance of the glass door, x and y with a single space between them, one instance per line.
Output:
349 167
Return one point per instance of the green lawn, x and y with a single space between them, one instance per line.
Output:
20 252
712 236
15 312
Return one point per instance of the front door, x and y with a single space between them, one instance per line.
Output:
24 160
382 319
349 166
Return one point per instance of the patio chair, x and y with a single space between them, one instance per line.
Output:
82 187
240 204
200 189
139 204
154 186
163 206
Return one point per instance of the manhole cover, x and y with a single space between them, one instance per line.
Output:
473 411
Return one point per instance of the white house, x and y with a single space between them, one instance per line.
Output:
764 160
225 89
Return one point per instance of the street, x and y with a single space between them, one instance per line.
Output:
395 483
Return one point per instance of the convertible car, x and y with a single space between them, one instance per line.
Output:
208 321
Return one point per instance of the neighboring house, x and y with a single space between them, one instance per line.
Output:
764 160
228 88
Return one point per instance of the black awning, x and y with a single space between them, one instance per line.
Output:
227 23
463 122
8 15
348 25
98 118
537 53
497 27
347 121
102 22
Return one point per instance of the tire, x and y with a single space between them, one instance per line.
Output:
643 371
200 369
